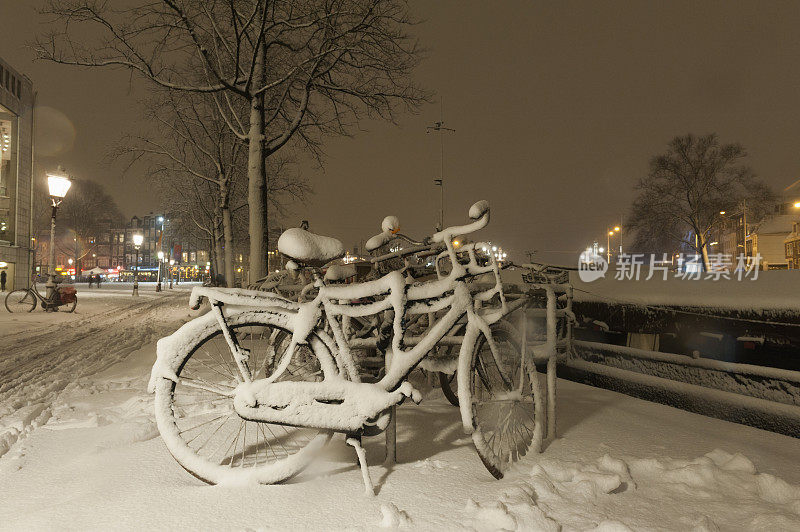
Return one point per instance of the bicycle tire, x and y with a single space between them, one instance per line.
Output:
446 384
70 307
23 299
503 419
233 466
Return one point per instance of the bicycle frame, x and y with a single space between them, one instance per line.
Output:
45 302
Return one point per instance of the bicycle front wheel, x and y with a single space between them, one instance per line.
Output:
22 300
196 417
502 400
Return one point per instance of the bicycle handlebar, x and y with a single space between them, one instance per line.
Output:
479 212
389 227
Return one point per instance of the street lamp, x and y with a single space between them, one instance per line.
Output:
608 242
160 262
58 184
137 243
160 220
171 272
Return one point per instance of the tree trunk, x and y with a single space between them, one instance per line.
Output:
704 249
227 235
256 176
78 261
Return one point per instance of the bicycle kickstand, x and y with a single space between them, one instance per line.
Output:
355 442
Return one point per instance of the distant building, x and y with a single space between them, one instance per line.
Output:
738 233
112 249
766 239
16 184
791 246
158 234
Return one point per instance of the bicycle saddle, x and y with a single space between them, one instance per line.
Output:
307 248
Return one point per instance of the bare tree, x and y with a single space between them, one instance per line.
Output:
190 139
82 213
303 67
681 197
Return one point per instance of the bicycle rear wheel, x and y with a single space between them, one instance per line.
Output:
70 307
21 300
502 401
196 417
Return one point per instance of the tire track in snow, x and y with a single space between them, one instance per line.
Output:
35 368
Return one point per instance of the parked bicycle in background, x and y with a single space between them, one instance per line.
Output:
25 299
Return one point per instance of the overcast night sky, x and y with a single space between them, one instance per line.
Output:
557 108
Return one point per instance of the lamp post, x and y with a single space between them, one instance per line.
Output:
160 262
171 273
609 234
58 184
439 128
160 220
137 243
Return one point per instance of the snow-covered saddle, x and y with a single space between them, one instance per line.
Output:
307 248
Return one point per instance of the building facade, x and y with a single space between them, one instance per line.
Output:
111 248
766 239
792 247
157 230
16 169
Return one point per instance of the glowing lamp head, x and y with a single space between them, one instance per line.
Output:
172 262
58 185
616 229
797 205
610 233
160 255
722 213
456 243
138 239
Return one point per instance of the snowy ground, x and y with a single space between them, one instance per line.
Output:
81 452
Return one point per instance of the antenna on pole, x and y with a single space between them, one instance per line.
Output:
440 128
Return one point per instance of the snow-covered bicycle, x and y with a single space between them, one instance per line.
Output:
249 392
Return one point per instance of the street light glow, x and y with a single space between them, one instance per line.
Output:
160 255
58 185
722 213
797 205
616 228
138 239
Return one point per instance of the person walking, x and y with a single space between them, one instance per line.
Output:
91 280
3 281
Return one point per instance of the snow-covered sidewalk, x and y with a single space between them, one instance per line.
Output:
91 457
43 353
